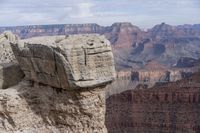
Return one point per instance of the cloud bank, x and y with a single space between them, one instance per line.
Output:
105 12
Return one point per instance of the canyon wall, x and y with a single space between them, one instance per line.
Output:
129 79
171 75
52 30
132 47
167 108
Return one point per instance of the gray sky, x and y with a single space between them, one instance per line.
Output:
143 13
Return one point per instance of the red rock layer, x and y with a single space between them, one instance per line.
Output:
172 108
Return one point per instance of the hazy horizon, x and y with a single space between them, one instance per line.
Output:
145 29
144 14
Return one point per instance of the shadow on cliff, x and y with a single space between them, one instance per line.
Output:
47 102
10 75
57 107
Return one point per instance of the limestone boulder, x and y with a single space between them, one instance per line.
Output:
67 89
77 61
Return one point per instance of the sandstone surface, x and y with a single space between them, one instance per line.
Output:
78 61
37 108
10 72
6 54
64 88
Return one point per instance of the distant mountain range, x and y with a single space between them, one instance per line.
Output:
133 47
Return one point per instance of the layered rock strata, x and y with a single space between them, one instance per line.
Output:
168 108
129 79
171 75
66 89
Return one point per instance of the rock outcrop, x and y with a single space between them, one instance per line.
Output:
78 61
10 72
64 90
6 54
40 108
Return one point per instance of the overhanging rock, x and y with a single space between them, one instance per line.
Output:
82 65
78 61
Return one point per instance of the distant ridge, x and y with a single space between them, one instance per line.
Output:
133 47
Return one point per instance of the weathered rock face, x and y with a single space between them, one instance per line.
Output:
129 79
167 44
167 108
6 54
10 72
78 61
66 93
123 35
43 109
153 76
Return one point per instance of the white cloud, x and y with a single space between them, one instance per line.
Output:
105 12
82 10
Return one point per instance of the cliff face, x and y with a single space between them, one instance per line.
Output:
130 79
152 76
187 62
166 44
123 35
64 86
45 30
162 109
